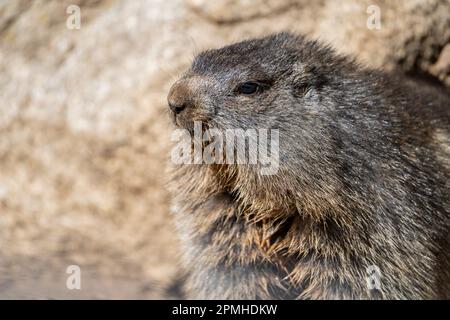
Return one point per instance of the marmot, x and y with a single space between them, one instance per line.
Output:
359 207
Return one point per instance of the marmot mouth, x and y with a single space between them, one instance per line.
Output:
188 123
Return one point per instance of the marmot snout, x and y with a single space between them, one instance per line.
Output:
359 207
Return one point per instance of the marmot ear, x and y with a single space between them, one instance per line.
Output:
307 76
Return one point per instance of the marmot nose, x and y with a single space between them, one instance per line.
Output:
179 96
176 108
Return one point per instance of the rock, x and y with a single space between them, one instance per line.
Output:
229 11
411 36
441 69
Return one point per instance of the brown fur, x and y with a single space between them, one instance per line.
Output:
311 230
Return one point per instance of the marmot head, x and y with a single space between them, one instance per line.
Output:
282 82
252 84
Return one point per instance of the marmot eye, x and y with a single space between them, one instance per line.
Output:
248 88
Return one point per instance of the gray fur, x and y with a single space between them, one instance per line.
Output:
363 179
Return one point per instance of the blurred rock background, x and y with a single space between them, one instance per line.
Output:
84 134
